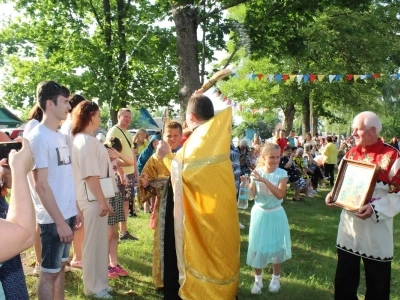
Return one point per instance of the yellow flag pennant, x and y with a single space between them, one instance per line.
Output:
321 77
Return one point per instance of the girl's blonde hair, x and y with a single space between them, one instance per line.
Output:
268 147
141 131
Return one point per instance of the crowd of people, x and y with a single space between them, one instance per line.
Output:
82 191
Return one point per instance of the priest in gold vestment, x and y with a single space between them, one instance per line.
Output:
204 213
155 169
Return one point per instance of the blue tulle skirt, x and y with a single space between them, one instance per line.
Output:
269 237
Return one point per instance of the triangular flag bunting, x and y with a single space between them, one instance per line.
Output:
313 77
260 76
278 77
368 76
338 77
349 77
249 76
292 77
271 78
225 99
285 76
375 75
362 77
321 77
254 76
306 77
331 77
299 78
356 77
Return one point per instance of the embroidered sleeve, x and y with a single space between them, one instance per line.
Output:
389 205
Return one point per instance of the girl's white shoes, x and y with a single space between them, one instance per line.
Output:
256 289
274 286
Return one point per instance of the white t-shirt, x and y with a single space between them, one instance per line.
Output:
51 151
29 126
65 129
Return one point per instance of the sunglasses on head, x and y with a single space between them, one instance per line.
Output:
55 87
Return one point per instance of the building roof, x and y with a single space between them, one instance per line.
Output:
8 119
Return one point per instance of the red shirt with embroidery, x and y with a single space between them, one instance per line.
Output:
380 154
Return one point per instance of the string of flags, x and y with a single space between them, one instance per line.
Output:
299 78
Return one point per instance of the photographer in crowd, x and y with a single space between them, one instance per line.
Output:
17 225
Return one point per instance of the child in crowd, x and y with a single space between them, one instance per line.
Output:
269 237
140 141
114 147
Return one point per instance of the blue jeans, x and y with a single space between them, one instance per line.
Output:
54 252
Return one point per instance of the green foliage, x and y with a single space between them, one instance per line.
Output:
309 274
116 54
264 123
321 37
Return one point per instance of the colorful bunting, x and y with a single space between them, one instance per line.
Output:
313 77
289 78
309 77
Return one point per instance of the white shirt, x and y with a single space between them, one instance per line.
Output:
51 151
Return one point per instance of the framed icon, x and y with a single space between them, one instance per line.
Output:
354 185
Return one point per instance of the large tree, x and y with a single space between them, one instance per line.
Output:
335 40
111 50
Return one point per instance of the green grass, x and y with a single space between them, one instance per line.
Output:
308 275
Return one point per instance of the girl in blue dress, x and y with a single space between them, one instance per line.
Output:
269 237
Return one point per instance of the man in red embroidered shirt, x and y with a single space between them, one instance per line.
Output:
282 141
368 233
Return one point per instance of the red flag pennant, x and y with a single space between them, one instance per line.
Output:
285 76
375 75
349 77
313 77
260 76
225 99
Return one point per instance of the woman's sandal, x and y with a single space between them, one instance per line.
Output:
301 199
76 264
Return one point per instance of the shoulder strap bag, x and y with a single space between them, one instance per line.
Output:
106 186
130 146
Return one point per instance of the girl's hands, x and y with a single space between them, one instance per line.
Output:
112 153
256 176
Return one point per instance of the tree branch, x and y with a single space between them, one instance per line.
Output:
96 15
217 10
128 5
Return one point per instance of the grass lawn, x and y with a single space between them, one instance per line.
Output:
308 275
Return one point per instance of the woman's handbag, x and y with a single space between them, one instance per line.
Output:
107 187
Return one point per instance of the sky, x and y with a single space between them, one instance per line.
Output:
6 11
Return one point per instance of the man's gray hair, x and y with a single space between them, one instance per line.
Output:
369 119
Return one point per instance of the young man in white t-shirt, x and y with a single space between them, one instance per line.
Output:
53 189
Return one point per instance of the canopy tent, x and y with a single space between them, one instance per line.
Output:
8 119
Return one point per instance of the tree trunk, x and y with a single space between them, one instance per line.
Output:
122 75
108 40
306 114
314 120
289 111
185 18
